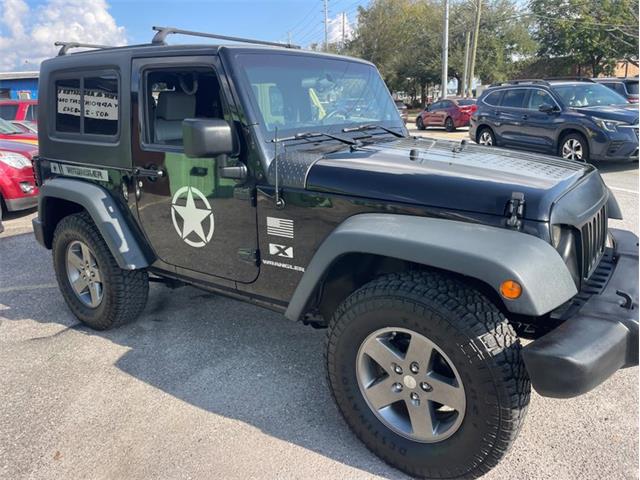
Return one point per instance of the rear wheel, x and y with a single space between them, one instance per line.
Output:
419 123
486 137
574 147
97 291
428 374
449 126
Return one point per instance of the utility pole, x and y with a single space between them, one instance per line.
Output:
445 50
474 49
326 25
465 74
289 37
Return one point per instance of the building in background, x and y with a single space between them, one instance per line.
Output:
19 85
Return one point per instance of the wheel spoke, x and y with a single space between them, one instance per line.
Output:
86 255
421 419
381 394
94 291
79 285
420 350
75 260
382 354
96 275
445 392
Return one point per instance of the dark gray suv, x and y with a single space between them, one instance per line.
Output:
576 119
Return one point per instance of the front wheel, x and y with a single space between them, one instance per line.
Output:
428 374
574 147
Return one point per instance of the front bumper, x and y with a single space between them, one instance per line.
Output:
617 146
600 338
22 203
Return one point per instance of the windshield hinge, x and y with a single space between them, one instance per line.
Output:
515 210
249 255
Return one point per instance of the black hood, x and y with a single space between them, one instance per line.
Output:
627 113
429 173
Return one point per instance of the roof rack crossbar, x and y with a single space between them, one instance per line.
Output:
66 46
519 81
162 32
572 78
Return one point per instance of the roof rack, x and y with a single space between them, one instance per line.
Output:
519 81
163 32
571 78
66 46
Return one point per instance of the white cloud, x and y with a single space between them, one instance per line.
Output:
31 32
336 26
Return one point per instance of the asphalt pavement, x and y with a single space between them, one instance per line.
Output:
202 386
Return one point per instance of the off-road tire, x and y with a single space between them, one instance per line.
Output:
449 126
420 123
478 340
125 292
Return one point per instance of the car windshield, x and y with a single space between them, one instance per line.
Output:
296 93
632 88
467 102
8 111
588 95
8 127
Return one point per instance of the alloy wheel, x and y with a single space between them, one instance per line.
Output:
485 138
83 274
410 384
572 149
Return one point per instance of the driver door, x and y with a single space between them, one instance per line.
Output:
195 219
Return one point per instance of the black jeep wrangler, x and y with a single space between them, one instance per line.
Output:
287 179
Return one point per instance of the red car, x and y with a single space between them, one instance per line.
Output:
18 189
8 131
19 110
449 113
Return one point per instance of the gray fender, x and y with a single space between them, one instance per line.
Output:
489 254
105 213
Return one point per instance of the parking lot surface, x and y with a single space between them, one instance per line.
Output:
202 386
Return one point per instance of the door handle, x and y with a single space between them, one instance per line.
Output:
524 117
152 173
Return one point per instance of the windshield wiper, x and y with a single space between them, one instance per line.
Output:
371 126
307 135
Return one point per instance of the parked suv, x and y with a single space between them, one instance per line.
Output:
625 86
575 119
248 170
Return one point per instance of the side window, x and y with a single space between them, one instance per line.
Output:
101 105
513 98
436 106
619 87
539 97
8 111
176 94
86 105
493 99
68 105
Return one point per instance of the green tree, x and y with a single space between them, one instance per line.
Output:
595 33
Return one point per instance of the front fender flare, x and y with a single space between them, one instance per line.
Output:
489 254
105 212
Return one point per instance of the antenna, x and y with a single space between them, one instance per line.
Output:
279 201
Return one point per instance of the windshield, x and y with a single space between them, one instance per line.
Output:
8 111
588 95
7 127
297 93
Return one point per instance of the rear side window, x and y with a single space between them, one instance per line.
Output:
632 87
513 98
87 105
8 112
493 99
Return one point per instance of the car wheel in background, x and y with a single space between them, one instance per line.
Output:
486 137
449 126
419 123
574 147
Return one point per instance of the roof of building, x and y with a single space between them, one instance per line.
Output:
18 75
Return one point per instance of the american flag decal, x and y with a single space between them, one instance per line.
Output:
280 227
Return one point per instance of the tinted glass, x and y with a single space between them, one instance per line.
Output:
513 98
493 98
588 95
539 97
32 113
466 103
318 94
436 106
68 105
632 88
101 105
8 112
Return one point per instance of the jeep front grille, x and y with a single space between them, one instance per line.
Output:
594 238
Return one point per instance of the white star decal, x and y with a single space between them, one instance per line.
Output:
192 217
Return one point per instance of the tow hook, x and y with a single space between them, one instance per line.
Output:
628 301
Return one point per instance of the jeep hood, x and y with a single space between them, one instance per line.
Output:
430 173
